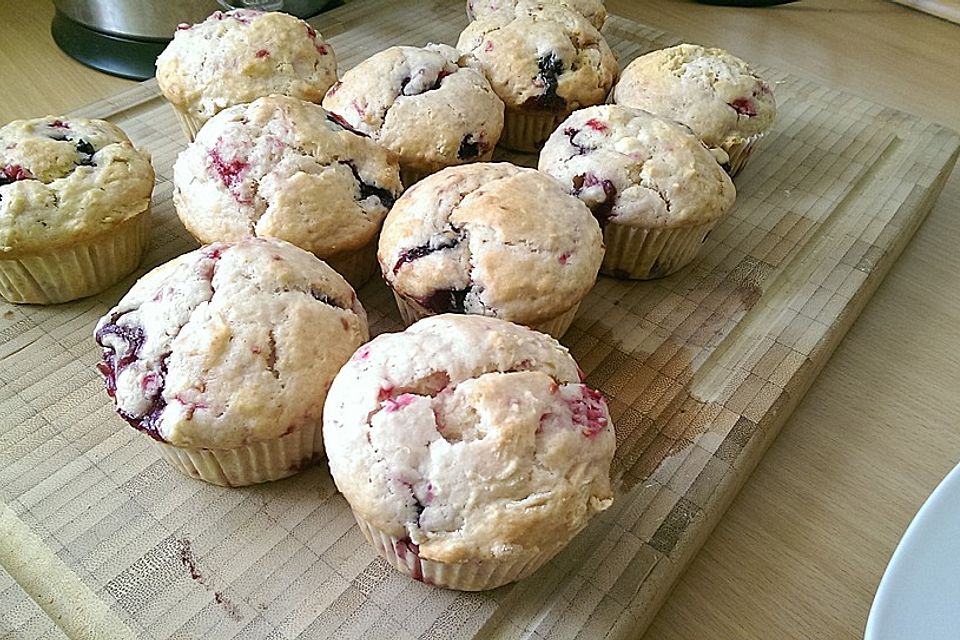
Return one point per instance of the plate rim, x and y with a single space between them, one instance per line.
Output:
872 630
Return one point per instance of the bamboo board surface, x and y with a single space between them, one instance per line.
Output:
701 369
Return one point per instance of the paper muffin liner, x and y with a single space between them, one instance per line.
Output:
250 464
739 153
358 266
638 253
78 270
475 575
188 123
527 131
411 311
410 174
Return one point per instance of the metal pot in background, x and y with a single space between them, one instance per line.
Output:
124 37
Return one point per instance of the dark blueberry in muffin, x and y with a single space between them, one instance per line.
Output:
469 148
601 210
366 190
549 68
444 240
85 152
571 133
446 300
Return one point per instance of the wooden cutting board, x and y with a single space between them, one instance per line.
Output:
99 538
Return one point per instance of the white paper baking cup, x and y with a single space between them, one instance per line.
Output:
411 311
188 123
358 266
739 153
638 253
526 131
78 270
474 575
250 464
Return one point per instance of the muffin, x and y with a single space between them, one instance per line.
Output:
285 168
237 56
74 208
422 105
544 61
468 449
714 93
224 356
653 186
592 10
491 239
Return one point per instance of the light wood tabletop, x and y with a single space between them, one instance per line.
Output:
802 549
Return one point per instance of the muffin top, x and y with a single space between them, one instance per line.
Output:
540 57
711 91
420 104
237 56
637 169
491 239
63 180
284 168
230 344
471 437
592 10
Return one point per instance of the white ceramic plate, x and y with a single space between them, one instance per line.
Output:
919 595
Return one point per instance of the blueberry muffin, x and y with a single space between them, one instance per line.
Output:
592 10
544 61
74 208
237 56
491 239
422 105
726 103
468 449
656 190
224 356
285 168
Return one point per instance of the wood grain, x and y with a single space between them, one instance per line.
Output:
800 552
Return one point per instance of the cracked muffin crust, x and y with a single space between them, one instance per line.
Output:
237 56
288 169
544 61
74 208
592 10
224 356
491 239
421 104
719 96
468 449
643 177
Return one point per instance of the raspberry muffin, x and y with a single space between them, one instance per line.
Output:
491 239
74 208
285 168
237 56
468 449
592 10
544 61
422 105
726 103
224 356
653 186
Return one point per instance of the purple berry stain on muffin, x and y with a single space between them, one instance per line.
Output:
262 53
59 124
571 133
743 107
596 125
448 239
549 68
401 401
602 210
